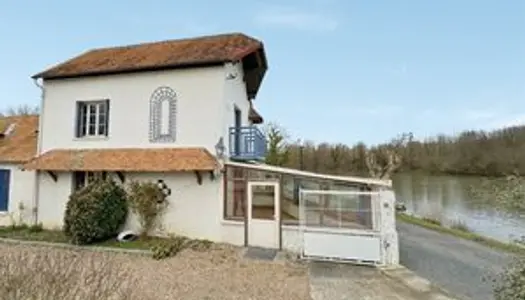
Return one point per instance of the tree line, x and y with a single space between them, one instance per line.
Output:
474 152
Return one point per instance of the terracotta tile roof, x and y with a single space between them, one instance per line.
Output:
129 159
204 50
19 145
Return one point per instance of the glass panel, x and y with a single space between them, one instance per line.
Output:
235 173
102 108
339 210
263 202
102 123
101 129
92 129
353 211
92 118
235 196
235 202
258 175
290 199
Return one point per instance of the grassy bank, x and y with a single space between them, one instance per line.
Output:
462 233
28 233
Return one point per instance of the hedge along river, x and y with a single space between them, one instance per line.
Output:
445 198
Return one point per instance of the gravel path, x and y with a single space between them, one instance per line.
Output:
451 263
220 273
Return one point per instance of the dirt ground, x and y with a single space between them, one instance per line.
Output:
219 273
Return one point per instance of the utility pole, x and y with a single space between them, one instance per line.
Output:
296 181
301 157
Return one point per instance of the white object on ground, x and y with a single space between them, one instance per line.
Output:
126 236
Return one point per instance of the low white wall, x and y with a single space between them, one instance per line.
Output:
193 210
385 206
52 198
21 189
291 238
233 233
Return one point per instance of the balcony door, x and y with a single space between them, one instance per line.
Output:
237 136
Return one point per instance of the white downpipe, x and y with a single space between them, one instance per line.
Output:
36 194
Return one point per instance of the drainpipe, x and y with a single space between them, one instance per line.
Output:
36 194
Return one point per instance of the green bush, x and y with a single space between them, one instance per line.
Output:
510 285
36 227
95 212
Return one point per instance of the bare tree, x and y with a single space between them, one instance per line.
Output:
384 160
21 110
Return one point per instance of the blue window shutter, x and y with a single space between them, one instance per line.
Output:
80 119
4 189
106 102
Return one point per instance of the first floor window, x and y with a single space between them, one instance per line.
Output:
92 118
81 179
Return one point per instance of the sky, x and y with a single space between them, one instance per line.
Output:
339 70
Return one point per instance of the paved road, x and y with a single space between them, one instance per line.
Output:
330 281
453 264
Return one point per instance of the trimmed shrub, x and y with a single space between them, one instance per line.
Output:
95 212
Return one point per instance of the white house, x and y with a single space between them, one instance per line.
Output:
181 111
18 139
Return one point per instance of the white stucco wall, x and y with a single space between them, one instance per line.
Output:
234 97
199 93
205 107
193 209
21 189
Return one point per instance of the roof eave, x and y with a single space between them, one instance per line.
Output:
47 75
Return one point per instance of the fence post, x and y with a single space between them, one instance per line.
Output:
388 229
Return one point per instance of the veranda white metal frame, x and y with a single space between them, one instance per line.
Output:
383 227
281 170
341 243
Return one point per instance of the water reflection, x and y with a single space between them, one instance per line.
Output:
445 198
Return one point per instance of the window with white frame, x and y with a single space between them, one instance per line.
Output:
92 118
81 179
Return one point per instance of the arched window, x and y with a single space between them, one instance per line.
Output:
163 111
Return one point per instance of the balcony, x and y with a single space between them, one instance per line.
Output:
247 143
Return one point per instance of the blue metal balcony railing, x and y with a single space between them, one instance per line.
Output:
247 143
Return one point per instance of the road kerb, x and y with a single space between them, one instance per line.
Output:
416 283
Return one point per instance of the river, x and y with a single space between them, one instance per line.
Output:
446 198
